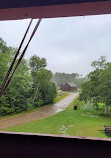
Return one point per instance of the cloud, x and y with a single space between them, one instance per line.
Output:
68 44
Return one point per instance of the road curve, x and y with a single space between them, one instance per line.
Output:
37 114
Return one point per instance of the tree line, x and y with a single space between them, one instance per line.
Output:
60 78
31 85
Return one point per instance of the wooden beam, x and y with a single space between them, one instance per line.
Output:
52 11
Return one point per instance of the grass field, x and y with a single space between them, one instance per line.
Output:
60 96
68 122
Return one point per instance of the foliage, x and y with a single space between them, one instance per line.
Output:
30 86
44 90
36 64
15 98
98 88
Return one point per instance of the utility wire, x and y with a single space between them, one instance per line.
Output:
13 61
20 58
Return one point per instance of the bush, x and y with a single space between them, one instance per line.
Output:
6 111
48 92
17 110
38 103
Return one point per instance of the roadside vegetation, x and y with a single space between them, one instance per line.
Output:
61 95
57 99
97 90
31 85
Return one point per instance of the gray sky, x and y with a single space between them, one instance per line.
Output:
68 44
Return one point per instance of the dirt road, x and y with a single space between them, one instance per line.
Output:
37 114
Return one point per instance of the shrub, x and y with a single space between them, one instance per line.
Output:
38 103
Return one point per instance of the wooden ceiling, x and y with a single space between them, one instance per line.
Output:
22 9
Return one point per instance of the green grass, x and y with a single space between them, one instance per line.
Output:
61 97
69 122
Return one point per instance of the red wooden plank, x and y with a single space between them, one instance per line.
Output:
56 11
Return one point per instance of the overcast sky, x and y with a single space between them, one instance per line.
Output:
68 44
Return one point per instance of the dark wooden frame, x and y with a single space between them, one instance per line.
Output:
46 10
20 145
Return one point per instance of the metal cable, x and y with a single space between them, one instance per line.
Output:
20 58
15 57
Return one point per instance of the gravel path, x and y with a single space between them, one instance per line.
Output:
37 114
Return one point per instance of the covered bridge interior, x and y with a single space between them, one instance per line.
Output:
21 144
